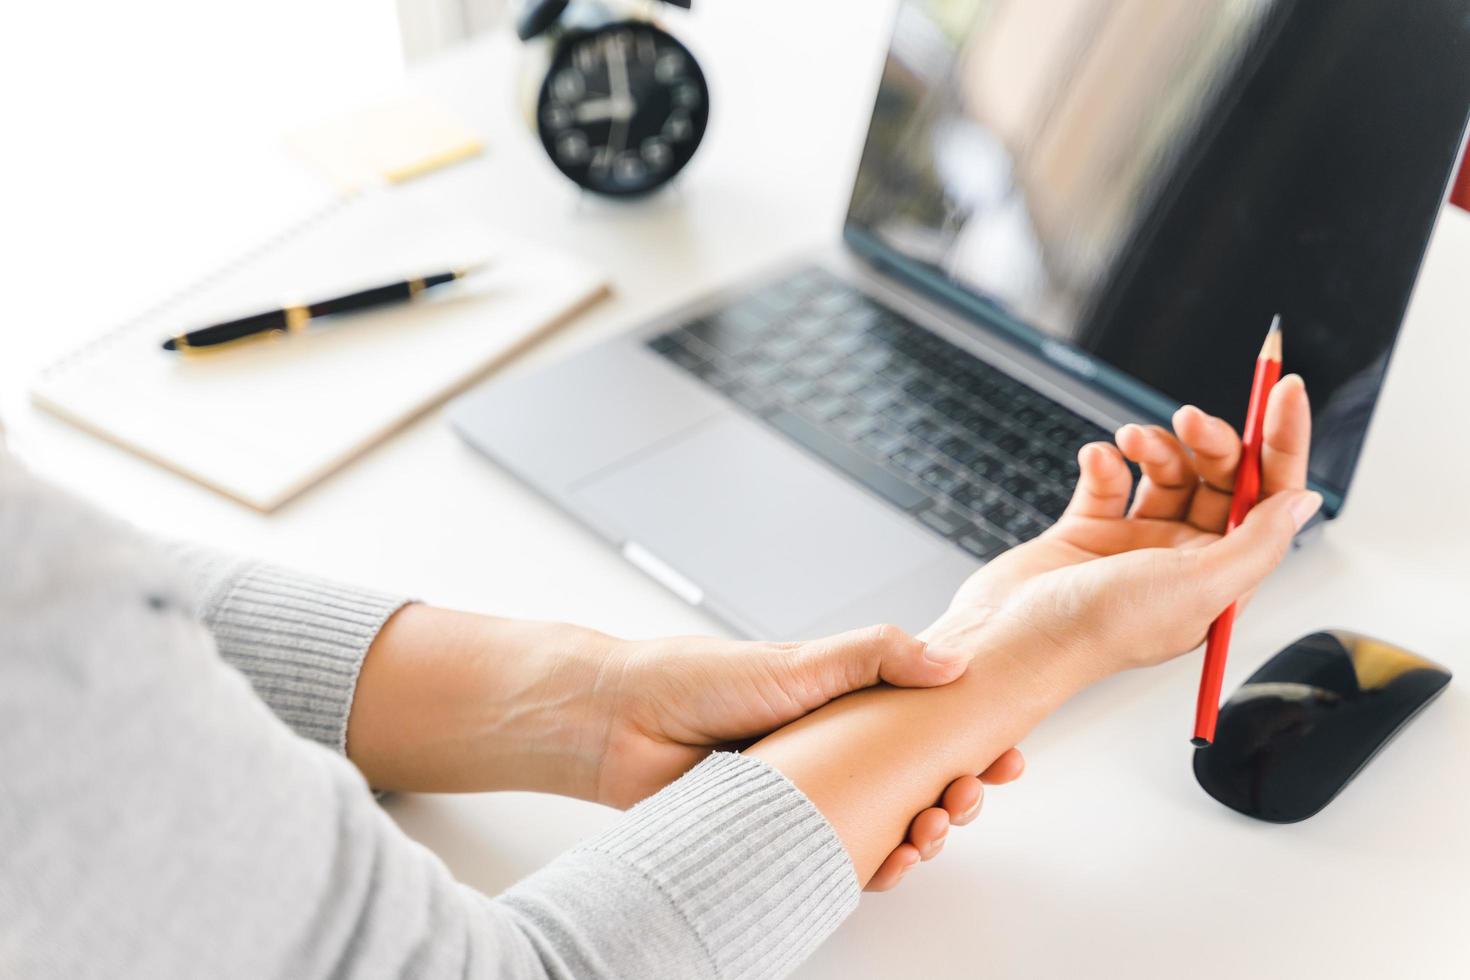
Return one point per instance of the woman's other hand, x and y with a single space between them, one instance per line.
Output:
1109 586
1122 586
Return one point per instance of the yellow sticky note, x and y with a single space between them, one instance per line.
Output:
394 141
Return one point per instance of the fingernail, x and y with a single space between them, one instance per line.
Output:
1293 378
973 812
944 655
1304 506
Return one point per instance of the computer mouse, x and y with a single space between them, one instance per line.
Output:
1308 721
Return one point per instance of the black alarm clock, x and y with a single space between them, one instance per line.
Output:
620 105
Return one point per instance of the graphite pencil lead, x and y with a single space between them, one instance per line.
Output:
1271 348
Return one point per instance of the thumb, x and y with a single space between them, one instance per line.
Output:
861 658
1238 562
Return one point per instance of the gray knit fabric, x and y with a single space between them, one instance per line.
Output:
298 639
162 815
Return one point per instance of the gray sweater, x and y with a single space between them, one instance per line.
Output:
175 802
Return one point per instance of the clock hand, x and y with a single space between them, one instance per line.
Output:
618 81
596 110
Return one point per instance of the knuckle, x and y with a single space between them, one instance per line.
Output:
1281 541
801 660
795 654
886 635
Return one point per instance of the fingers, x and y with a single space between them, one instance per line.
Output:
1168 475
1104 483
963 799
960 804
928 830
1236 564
1216 449
1288 437
925 840
893 868
1005 769
833 666
1189 475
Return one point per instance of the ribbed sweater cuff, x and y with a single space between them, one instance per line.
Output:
753 867
299 640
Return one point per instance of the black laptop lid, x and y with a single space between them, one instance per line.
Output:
1135 188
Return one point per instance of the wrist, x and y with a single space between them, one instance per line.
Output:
456 702
869 761
1049 666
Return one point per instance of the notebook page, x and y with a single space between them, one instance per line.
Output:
262 421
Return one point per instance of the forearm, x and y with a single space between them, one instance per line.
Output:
871 760
419 698
453 702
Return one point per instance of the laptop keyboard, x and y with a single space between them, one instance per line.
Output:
970 452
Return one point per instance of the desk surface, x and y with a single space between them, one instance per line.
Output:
1106 858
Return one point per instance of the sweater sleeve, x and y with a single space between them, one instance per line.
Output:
299 640
160 820
731 868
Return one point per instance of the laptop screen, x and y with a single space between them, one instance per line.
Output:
1135 187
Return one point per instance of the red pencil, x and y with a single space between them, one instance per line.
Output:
1247 491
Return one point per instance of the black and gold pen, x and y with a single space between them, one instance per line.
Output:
293 319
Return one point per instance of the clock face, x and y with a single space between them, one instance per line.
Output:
623 108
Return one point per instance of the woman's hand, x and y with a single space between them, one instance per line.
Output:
1102 590
455 702
1121 586
672 701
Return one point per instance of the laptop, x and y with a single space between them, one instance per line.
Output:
1066 217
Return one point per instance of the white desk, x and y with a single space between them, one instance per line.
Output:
1106 860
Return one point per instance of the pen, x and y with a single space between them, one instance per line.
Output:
293 319
1242 499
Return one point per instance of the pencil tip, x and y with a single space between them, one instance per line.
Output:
170 345
1271 346
1199 742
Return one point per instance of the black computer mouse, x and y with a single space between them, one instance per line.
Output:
1309 720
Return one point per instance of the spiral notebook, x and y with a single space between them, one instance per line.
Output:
263 421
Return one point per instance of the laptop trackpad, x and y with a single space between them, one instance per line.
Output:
757 524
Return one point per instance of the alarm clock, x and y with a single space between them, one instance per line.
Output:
619 104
